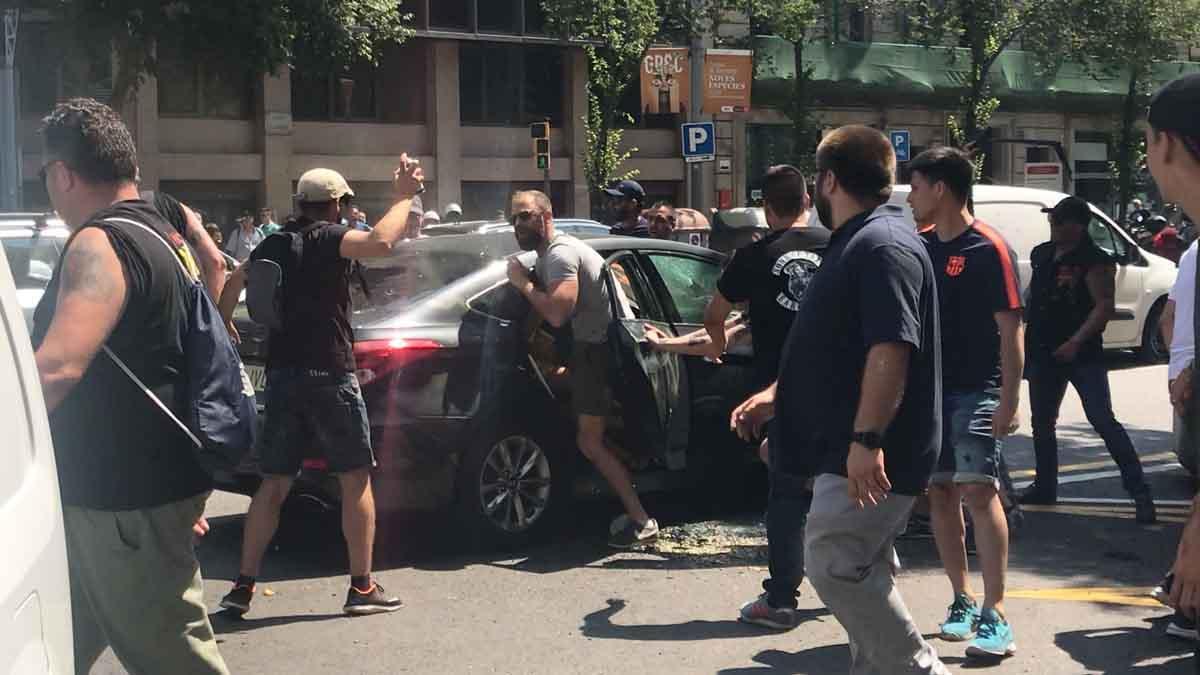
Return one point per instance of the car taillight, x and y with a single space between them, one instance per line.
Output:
378 358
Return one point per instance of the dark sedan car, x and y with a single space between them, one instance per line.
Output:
468 401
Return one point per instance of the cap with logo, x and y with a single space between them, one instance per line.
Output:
322 185
1176 107
627 189
454 209
1070 210
431 215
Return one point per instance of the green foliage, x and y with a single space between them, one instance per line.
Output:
256 36
617 33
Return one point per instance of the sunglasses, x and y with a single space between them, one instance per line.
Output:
523 217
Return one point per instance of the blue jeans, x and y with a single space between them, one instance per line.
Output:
787 513
1047 386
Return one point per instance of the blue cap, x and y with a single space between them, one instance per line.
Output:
628 189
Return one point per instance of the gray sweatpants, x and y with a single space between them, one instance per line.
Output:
851 561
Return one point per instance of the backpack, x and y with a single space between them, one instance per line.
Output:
217 396
264 279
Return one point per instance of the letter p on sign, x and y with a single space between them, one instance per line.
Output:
699 142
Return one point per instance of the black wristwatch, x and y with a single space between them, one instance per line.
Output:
871 440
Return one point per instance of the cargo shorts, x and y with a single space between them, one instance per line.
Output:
313 413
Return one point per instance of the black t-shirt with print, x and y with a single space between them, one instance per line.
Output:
773 274
316 302
976 277
875 285
1060 301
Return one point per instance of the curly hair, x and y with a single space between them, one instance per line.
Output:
90 138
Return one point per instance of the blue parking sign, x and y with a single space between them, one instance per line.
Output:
900 144
699 142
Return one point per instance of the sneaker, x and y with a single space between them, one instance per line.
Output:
960 623
993 636
372 601
1036 495
1162 592
238 600
760 613
1182 627
1145 511
625 533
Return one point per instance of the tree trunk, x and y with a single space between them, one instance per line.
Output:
1126 142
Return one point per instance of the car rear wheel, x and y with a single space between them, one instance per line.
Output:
1154 348
512 487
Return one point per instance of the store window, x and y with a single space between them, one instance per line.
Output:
500 16
510 84
53 66
190 87
359 94
452 14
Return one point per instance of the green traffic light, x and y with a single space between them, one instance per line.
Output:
543 162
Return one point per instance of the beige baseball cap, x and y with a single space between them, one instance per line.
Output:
322 185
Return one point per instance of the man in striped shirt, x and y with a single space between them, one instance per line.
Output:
980 305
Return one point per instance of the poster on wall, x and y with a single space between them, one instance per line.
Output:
666 81
727 77
1044 175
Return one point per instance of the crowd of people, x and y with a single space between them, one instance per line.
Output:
897 354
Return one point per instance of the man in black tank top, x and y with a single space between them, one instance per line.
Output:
129 480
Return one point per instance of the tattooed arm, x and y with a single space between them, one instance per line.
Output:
91 299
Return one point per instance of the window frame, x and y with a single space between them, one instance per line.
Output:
522 116
199 80
647 295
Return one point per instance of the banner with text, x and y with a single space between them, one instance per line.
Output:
727 76
666 81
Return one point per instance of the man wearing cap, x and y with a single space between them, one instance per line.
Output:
313 399
431 217
1173 156
454 213
245 238
626 199
1071 299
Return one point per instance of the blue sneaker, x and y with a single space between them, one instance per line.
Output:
993 636
960 624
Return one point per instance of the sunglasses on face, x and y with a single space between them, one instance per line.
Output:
523 217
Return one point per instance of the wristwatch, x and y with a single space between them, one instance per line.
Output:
871 440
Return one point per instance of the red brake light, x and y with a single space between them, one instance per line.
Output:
378 358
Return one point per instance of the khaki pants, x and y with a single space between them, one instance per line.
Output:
135 586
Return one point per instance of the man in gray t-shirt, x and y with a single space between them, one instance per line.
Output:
573 290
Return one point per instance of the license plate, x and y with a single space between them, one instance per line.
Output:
258 378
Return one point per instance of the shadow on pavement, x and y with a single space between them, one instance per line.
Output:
599 625
225 623
1121 650
815 661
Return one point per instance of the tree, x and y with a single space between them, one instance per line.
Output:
616 35
1126 38
792 20
256 36
985 28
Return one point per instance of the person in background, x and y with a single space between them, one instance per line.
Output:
572 291
1166 241
244 239
266 221
132 489
413 229
431 217
314 401
773 275
860 381
1071 296
208 251
1173 157
358 219
214 231
626 199
977 284
454 213
660 220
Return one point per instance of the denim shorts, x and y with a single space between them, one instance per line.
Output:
314 414
969 452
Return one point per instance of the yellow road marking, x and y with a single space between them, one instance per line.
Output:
1165 514
1098 464
1133 597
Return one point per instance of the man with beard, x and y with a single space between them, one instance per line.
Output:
626 199
572 290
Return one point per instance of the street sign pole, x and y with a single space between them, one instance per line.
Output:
546 170
10 155
695 178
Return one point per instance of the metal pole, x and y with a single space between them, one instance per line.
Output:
10 153
546 171
695 178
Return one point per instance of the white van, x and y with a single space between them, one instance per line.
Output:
35 595
1143 279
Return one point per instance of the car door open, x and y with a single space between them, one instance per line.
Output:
649 384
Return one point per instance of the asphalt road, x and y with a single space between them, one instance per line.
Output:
1077 584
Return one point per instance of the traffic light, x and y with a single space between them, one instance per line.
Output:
540 132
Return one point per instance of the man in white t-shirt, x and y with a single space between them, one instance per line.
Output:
1178 329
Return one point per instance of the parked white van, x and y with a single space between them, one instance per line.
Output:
35 596
1143 279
